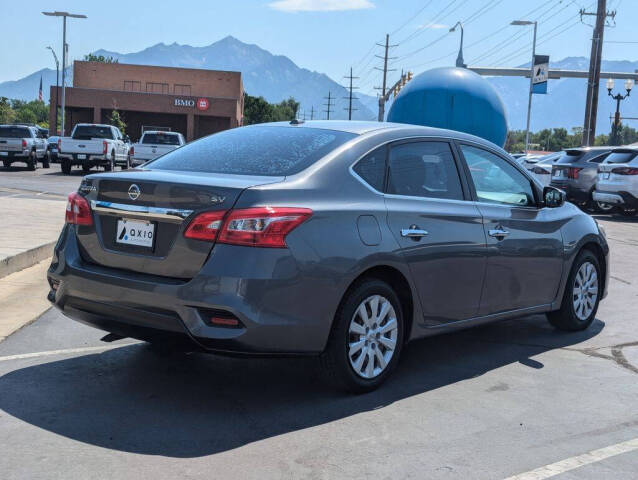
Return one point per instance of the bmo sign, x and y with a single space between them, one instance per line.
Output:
200 103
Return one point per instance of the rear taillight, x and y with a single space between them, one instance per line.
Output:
131 151
59 144
24 144
78 211
262 226
572 172
205 226
625 171
255 227
105 147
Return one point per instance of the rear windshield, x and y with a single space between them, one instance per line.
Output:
161 138
572 156
15 132
271 151
87 132
620 157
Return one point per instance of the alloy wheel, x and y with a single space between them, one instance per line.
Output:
372 336
585 291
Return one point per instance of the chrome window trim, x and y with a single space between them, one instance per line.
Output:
175 215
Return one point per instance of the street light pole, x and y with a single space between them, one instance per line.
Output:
459 59
57 87
629 84
64 15
531 77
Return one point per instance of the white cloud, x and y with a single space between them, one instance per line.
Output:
320 5
433 26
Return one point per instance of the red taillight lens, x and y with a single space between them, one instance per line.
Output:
24 144
105 147
78 211
572 172
262 226
131 151
625 171
59 144
205 226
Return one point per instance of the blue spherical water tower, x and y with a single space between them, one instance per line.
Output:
452 98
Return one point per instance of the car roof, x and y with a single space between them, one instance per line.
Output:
360 127
627 148
587 149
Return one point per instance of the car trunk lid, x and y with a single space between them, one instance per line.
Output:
159 205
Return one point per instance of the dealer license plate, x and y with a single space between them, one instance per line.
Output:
81 156
560 173
132 232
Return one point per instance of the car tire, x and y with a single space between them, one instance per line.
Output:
354 343
578 310
32 163
604 207
110 166
127 164
65 166
6 163
46 160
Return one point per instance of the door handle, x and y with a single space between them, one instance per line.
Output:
413 232
498 233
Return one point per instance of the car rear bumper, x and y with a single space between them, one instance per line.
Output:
74 157
275 318
574 194
616 198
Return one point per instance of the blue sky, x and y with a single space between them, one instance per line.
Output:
323 35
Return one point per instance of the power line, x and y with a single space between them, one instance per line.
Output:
427 4
437 18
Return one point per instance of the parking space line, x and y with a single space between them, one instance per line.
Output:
63 352
578 461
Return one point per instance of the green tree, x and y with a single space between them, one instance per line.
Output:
7 114
258 110
99 58
35 111
116 120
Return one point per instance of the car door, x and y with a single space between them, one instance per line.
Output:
524 241
439 231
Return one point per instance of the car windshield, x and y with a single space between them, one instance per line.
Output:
15 132
620 157
161 138
258 150
87 132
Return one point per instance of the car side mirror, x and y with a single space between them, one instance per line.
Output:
553 197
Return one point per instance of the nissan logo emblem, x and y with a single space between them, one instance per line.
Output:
133 192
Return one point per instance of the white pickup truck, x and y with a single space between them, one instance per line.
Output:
154 144
21 143
93 145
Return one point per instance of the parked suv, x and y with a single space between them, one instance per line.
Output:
22 143
618 180
154 144
576 173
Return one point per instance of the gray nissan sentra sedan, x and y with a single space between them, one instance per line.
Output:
338 239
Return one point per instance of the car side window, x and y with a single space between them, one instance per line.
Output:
599 158
495 180
371 168
424 169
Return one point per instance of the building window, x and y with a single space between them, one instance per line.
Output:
132 86
179 89
152 87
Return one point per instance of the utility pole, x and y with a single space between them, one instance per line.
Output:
312 112
595 60
57 86
350 98
382 98
328 105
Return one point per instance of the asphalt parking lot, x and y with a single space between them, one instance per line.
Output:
511 398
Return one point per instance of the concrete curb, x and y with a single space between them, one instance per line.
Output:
25 259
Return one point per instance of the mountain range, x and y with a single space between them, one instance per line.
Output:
276 77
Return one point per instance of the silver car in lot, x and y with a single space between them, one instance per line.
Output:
343 240
618 180
541 167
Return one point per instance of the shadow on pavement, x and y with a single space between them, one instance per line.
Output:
129 399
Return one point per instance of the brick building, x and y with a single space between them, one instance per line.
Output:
190 101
